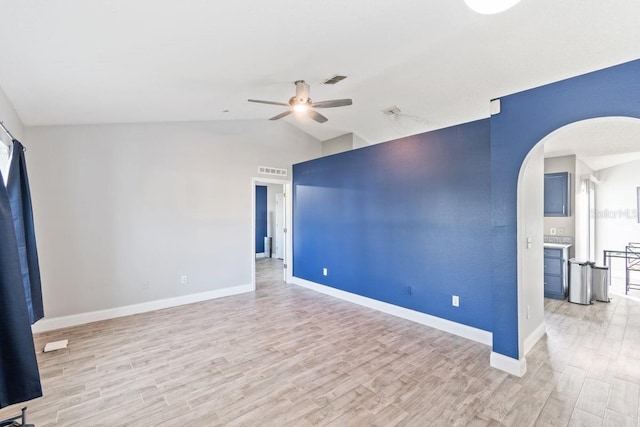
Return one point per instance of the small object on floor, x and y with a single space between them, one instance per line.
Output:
55 345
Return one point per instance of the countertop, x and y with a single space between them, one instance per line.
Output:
557 245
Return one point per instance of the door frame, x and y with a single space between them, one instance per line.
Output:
288 238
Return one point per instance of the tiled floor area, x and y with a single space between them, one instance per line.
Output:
287 356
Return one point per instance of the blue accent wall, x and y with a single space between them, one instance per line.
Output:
261 217
407 222
415 220
526 118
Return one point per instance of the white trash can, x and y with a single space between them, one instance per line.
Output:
600 283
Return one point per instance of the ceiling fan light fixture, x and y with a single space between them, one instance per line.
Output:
300 108
489 7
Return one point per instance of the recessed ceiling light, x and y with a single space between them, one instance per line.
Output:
489 7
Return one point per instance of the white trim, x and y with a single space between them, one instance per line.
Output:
468 332
494 106
508 364
288 236
48 324
260 255
534 337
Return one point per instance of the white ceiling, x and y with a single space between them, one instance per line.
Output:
108 61
600 143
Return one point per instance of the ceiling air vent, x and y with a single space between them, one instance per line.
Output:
335 79
265 170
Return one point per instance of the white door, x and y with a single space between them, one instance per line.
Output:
280 225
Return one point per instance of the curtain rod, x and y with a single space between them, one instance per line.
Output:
10 135
6 130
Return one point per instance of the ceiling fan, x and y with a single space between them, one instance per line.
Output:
302 103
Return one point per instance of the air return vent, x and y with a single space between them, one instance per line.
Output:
335 79
392 111
266 170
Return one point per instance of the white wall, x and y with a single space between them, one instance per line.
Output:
358 142
11 120
530 259
338 144
616 211
122 211
581 215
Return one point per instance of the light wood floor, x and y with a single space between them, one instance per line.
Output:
286 356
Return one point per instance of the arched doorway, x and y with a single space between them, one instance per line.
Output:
524 120
601 143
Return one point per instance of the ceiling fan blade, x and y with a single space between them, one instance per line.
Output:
316 116
281 115
332 103
268 102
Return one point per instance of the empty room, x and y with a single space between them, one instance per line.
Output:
358 213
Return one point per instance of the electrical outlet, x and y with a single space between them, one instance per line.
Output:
409 290
455 300
183 279
324 272
145 285
552 231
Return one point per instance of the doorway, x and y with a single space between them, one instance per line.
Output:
278 242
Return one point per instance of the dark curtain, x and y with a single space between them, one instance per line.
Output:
20 200
19 277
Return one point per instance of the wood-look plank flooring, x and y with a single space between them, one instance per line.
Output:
287 356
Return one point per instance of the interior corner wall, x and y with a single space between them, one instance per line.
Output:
358 142
122 211
405 222
338 144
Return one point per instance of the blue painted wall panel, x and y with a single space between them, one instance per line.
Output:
431 212
406 222
261 217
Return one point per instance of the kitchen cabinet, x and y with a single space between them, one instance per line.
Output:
555 270
557 194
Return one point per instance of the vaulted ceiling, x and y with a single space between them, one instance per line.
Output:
115 61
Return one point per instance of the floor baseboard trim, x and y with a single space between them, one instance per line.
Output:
534 337
449 326
517 367
49 324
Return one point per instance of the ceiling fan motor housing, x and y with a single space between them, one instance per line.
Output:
302 93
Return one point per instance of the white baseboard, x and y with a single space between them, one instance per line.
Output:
449 326
49 324
260 255
534 337
517 367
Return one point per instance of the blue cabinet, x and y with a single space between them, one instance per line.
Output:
556 194
555 272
